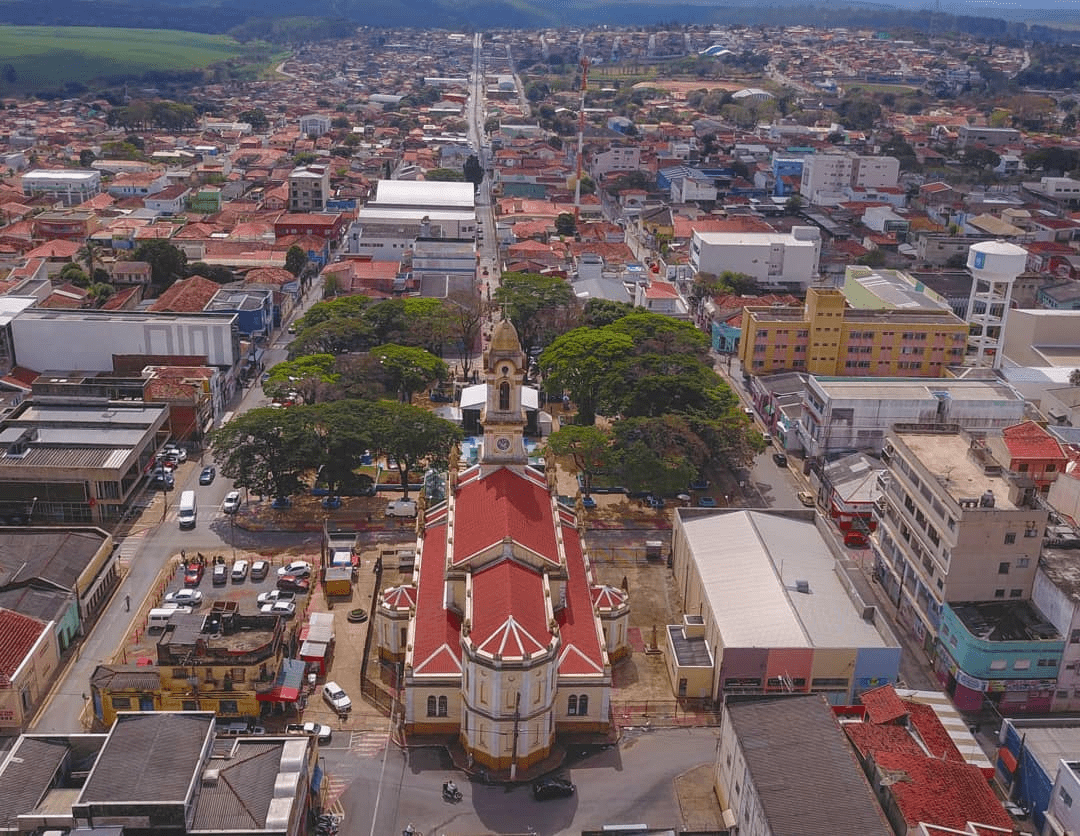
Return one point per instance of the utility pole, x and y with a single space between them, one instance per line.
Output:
517 724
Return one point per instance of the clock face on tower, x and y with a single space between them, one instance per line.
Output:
502 444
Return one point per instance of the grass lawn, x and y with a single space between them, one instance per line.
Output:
45 57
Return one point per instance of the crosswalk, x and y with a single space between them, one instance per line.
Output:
129 547
367 744
335 786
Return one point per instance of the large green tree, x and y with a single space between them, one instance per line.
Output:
412 436
659 454
589 447
579 362
409 368
343 434
309 376
296 259
540 307
167 263
266 450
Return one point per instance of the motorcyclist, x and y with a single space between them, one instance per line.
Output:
449 788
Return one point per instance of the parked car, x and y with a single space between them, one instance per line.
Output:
806 498
239 570
588 502
162 479
207 475
780 459
193 574
184 597
298 569
232 503
260 569
286 609
706 502
700 485
855 540
336 697
275 595
176 451
654 502
323 733
547 788
221 574
291 583
401 508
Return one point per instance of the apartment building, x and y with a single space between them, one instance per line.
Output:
828 179
67 186
970 136
775 260
957 548
825 337
309 187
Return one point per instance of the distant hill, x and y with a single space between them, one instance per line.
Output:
1030 19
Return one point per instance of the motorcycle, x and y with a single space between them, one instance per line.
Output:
451 793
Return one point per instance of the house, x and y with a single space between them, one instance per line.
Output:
1030 451
137 273
309 188
29 664
66 186
768 778
499 637
755 611
776 261
169 201
188 295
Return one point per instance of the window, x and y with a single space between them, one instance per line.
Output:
1050 468
1021 664
121 703
1010 538
504 396
432 706
442 706
583 705
1003 567
571 705
1022 468
1074 637
188 705
998 665
227 707
1023 562
999 593
1016 593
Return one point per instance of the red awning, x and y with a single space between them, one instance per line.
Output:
288 683
1007 758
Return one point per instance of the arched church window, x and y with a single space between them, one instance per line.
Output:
504 396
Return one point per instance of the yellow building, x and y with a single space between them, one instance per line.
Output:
230 672
825 337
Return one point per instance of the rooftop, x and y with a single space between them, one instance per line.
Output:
1005 621
912 389
785 741
948 458
752 564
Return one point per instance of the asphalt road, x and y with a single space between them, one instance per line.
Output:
382 789
152 540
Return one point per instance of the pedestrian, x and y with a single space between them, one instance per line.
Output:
127 603
183 554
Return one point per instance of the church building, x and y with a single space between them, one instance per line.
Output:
505 637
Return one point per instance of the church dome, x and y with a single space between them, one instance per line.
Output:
504 338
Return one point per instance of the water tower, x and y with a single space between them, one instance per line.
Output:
994 266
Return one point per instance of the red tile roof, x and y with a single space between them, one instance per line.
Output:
932 732
509 617
17 636
503 504
187 295
582 649
943 793
436 640
883 705
1028 440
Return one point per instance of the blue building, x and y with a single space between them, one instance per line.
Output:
254 309
786 167
1006 652
1034 756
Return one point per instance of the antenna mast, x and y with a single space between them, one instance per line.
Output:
581 135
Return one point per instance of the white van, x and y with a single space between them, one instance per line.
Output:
189 511
159 616
401 508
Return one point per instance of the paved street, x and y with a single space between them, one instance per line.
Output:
382 789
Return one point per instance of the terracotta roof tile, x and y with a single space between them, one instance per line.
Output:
17 636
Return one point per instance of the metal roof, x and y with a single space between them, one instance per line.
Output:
751 563
803 771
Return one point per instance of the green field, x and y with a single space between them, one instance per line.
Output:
46 57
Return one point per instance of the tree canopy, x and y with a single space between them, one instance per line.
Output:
538 306
167 263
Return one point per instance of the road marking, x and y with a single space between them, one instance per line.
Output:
334 788
367 744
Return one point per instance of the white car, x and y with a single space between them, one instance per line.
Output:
184 598
298 569
275 595
337 698
286 609
232 502
174 450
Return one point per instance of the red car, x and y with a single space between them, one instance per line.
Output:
193 574
855 539
291 583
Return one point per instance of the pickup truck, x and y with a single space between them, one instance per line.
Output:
318 730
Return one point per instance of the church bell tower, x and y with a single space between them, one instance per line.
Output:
503 417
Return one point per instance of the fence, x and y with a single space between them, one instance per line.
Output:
665 713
